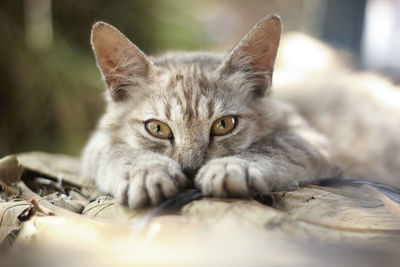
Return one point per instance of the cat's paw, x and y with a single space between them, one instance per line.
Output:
231 177
149 181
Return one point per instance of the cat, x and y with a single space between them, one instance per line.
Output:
358 112
206 120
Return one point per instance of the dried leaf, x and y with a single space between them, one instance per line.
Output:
354 186
68 204
12 214
10 170
332 208
10 174
62 168
106 207
391 205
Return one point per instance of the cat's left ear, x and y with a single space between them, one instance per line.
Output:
122 64
255 53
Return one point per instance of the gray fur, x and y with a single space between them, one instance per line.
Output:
271 148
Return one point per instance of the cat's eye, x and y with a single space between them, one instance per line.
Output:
223 125
158 129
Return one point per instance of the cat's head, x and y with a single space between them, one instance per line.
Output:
191 107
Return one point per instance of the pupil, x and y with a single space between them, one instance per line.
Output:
158 128
223 124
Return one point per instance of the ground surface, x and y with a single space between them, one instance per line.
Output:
51 216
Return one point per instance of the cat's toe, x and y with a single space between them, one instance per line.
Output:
257 180
149 185
135 192
160 185
132 190
224 178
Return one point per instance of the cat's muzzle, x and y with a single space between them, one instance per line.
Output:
190 173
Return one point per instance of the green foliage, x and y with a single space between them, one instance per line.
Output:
50 99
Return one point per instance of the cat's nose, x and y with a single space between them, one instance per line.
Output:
190 173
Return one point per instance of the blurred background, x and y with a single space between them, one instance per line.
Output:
50 88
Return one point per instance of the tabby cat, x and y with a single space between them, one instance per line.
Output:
199 119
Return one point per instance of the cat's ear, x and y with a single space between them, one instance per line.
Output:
122 64
255 53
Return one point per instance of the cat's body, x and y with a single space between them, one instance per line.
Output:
360 115
201 117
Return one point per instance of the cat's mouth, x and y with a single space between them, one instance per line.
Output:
190 173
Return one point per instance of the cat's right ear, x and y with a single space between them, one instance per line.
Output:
121 63
255 53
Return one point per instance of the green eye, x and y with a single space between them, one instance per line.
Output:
223 125
158 129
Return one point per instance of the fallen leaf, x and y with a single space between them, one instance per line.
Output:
10 170
106 207
62 168
12 214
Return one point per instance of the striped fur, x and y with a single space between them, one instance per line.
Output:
271 147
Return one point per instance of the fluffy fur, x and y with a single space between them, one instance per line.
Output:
271 148
360 115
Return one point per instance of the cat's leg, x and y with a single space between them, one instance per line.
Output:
279 165
134 178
